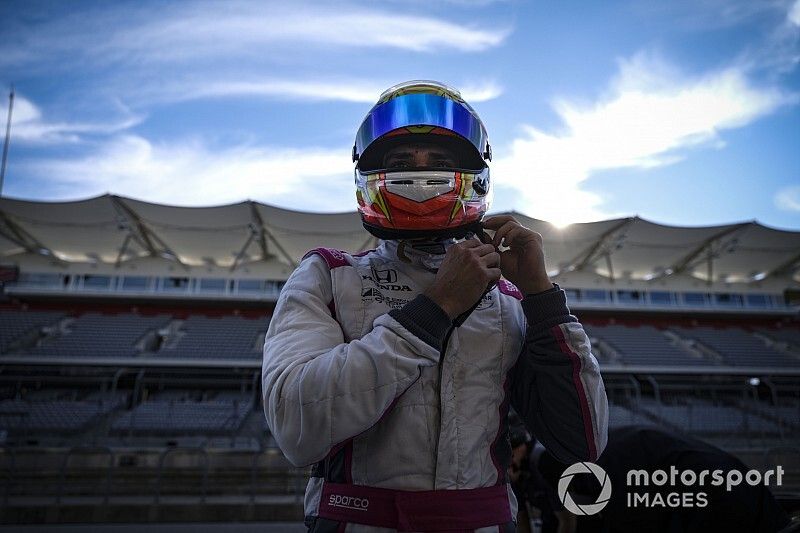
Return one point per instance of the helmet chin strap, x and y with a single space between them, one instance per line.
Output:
401 252
435 249
430 250
433 235
426 253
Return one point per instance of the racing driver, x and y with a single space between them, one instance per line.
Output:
392 370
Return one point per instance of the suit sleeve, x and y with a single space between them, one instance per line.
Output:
556 384
319 390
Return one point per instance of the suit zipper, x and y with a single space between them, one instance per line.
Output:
439 404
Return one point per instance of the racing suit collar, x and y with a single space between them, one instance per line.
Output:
427 254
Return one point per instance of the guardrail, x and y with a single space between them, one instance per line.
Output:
27 289
295 482
291 480
255 363
162 459
9 473
86 449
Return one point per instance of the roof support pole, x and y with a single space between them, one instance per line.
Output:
123 249
787 267
605 244
7 140
133 224
691 259
280 248
258 232
241 253
266 232
17 234
131 236
143 234
259 225
707 251
610 267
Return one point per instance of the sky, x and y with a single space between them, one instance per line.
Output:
684 112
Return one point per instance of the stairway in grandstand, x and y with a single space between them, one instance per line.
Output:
643 345
23 328
99 335
220 337
738 347
694 415
647 345
181 413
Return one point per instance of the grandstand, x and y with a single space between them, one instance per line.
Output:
130 338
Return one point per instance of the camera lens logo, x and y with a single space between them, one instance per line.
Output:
590 508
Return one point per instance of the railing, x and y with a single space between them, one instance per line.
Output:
295 480
193 287
192 290
771 454
162 459
286 481
12 467
86 450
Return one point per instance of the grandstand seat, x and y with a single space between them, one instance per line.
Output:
100 335
184 416
786 413
54 415
791 337
643 345
619 415
738 347
701 417
228 337
15 324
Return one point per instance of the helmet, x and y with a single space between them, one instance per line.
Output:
416 202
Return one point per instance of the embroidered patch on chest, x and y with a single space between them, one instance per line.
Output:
386 279
486 302
371 294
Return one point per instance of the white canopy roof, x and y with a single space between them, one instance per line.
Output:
113 232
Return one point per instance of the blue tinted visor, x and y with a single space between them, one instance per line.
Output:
421 109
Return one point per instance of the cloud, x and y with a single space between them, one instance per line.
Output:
192 173
201 32
788 199
770 44
775 53
794 13
481 93
651 115
706 15
252 26
29 126
358 91
465 3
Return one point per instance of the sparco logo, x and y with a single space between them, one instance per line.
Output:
349 502
585 509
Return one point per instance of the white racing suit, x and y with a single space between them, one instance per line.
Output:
402 413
